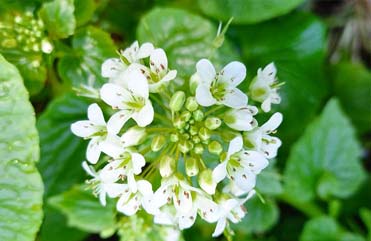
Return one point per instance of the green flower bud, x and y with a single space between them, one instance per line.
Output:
157 143
212 123
196 139
193 130
215 147
198 115
179 123
177 101
204 134
167 166
193 83
174 137
186 115
199 149
185 146
186 136
206 182
191 103
191 166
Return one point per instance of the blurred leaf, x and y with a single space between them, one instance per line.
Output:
269 181
91 47
366 218
260 216
21 187
325 160
61 156
84 11
185 37
58 18
352 85
298 53
247 11
326 229
84 211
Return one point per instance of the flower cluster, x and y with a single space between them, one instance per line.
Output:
200 142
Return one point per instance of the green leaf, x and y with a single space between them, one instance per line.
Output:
325 160
352 86
84 11
185 37
247 11
298 53
269 181
61 156
21 187
84 211
366 218
260 216
58 17
91 47
326 229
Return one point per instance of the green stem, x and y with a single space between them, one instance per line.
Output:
214 109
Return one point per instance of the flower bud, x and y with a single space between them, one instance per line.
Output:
193 83
204 134
167 166
185 116
215 147
193 130
185 146
199 149
179 123
198 115
191 167
157 143
206 182
177 101
191 103
174 137
212 123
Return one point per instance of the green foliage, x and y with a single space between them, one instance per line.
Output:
325 160
59 19
84 211
82 65
20 183
247 11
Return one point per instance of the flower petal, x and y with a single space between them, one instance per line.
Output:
209 210
187 220
138 162
183 202
145 116
220 172
220 226
204 96
158 62
137 84
95 115
270 145
131 53
243 178
129 208
132 136
233 73
145 50
90 170
102 198
273 123
83 128
234 98
132 183
235 146
114 95
93 150
112 146
254 161
162 196
145 187
114 189
111 68
205 71
117 120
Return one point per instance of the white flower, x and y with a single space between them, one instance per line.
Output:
114 69
132 101
126 165
94 129
134 53
104 184
232 210
260 140
264 87
240 166
241 119
130 202
220 88
158 73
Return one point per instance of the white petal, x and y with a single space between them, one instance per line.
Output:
204 96
233 73
137 84
114 189
102 198
254 161
242 119
117 120
187 220
235 146
158 62
83 128
112 146
183 202
145 116
145 187
169 76
266 105
273 123
244 179
162 196
234 98
220 226
270 146
209 210
112 68
220 172
131 53
205 71
95 115
132 183
114 95
89 169
269 72
132 136
138 162
129 208
93 151
145 50
163 218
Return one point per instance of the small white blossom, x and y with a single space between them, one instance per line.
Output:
232 210
114 69
133 102
104 184
264 87
220 88
241 119
240 166
134 53
260 139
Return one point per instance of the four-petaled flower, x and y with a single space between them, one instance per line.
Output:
220 88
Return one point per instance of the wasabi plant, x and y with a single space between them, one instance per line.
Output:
179 152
